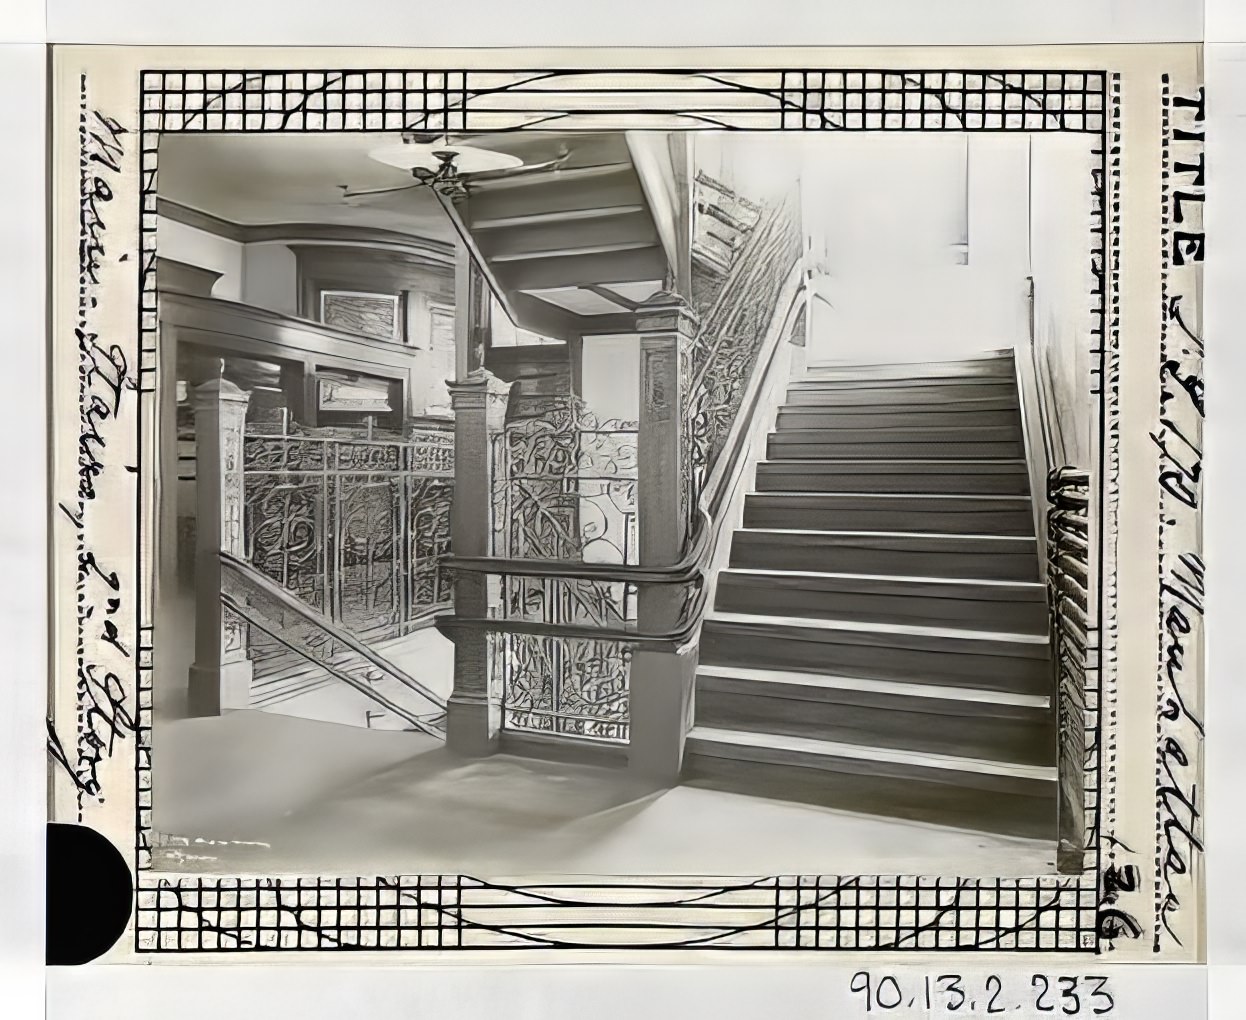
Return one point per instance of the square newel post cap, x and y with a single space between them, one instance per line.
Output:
666 312
479 391
216 391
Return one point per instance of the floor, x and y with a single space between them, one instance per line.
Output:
259 793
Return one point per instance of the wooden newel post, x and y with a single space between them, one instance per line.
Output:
479 403
661 680
220 677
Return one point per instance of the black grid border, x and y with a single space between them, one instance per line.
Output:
1045 913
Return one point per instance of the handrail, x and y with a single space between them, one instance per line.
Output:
242 612
287 601
513 566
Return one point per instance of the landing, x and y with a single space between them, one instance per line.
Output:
278 794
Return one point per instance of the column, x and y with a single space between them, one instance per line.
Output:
661 681
479 403
220 677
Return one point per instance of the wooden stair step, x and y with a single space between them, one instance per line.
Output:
966 398
1005 606
856 710
998 366
947 656
835 757
836 474
991 557
850 511
912 416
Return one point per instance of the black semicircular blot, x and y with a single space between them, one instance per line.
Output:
90 894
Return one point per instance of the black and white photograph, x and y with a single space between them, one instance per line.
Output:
866 428
639 508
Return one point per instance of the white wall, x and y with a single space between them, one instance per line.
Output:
197 247
1063 318
610 382
610 388
924 242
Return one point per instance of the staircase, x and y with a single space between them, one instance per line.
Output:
878 641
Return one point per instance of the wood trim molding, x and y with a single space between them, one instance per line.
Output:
173 277
426 248
310 339
200 220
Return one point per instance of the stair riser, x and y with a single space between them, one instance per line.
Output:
882 417
761 514
825 446
1027 740
796 760
942 804
987 368
963 398
847 478
753 550
786 649
736 595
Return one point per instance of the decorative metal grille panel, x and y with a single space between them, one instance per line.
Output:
565 489
730 336
356 528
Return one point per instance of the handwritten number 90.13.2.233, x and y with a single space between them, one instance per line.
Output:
1013 994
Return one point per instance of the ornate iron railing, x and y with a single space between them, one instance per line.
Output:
564 490
355 527
1068 573
724 352
288 622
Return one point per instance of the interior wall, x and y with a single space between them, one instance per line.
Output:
610 389
1061 167
270 277
196 247
611 376
919 244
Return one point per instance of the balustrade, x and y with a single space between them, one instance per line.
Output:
1068 572
355 526
577 618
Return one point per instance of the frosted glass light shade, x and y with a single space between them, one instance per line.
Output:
467 159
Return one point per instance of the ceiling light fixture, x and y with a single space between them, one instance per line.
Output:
439 164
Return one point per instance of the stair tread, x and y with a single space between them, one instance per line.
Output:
998 354
857 462
862 752
892 495
896 578
882 429
899 688
912 630
950 536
